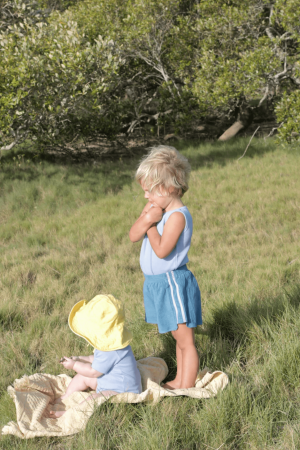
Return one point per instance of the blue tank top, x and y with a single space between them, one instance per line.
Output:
152 264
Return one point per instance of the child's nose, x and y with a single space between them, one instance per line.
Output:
146 195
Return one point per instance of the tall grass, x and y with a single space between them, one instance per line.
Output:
64 237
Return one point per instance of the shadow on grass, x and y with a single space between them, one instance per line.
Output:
233 322
27 166
229 331
221 153
200 153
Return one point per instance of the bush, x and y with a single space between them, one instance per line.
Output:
288 112
61 88
102 67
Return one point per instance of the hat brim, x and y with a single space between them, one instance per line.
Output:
126 335
74 310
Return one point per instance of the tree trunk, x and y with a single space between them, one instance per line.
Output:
244 119
232 131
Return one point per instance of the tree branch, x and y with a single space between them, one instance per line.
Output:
264 97
280 75
9 147
273 130
249 143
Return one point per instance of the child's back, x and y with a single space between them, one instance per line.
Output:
120 372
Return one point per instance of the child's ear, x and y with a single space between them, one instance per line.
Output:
173 191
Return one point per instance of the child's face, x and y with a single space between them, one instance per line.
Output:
162 200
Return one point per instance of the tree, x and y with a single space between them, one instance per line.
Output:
248 51
55 87
102 67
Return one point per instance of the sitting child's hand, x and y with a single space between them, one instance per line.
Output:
68 363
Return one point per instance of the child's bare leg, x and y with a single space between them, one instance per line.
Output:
187 358
176 383
78 384
107 394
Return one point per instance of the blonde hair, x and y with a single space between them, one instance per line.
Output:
164 167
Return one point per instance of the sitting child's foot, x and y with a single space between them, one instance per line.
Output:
56 414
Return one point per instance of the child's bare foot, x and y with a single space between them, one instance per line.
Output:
171 385
56 414
59 399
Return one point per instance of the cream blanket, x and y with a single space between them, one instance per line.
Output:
36 395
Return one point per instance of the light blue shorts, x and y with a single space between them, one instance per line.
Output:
172 298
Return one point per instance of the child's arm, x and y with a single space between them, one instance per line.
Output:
146 208
148 217
163 245
89 358
83 368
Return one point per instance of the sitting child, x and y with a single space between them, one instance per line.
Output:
112 369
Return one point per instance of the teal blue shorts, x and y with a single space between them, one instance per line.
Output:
172 298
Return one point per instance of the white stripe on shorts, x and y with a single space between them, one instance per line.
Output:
172 294
179 299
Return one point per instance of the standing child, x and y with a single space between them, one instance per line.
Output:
171 293
112 369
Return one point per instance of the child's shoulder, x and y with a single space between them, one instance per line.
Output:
182 210
124 350
118 350
114 355
126 355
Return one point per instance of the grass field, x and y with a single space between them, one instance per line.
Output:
64 237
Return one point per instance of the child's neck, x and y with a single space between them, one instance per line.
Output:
174 204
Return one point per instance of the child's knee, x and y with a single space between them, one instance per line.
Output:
91 383
184 337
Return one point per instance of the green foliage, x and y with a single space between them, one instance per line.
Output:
69 78
236 59
58 89
288 112
105 67
16 12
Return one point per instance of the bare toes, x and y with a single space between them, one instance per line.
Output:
56 414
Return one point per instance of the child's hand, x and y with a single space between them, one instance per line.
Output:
155 214
68 363
151 214
146 208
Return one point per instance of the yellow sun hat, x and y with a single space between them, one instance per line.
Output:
101 323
